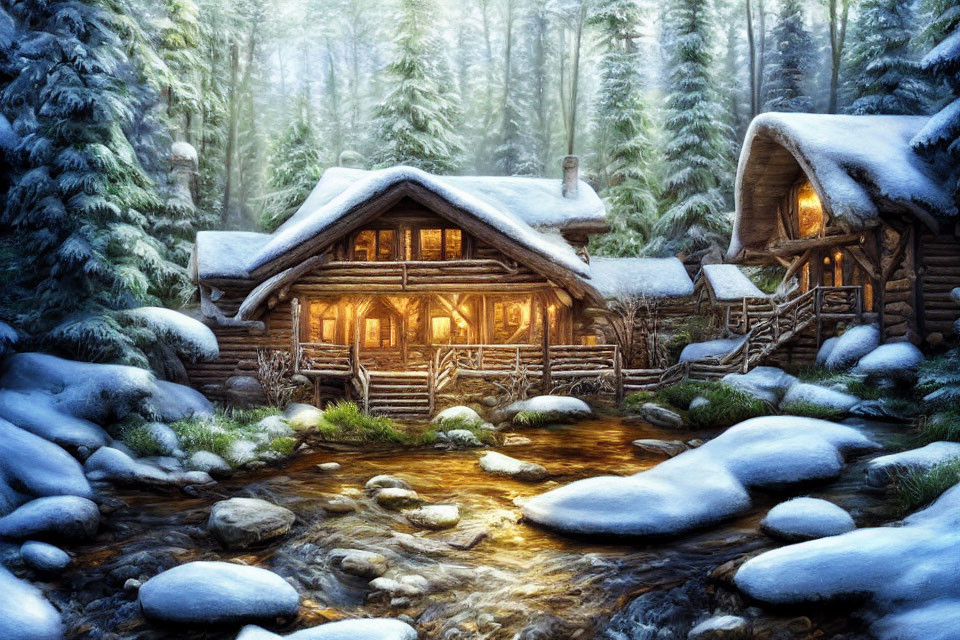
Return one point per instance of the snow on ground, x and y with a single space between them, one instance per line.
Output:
894 359
710 349
553 405
624 278
729 283
702 486
908 573
881 471
190 337
24 613
820 396
855 343
806 519
766 383
361 629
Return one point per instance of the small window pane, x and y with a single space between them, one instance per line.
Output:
371 334
407 244
440 326
454 245
431 244
329 330
364 248
386 249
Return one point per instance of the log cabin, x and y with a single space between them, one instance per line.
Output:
394 287
844 201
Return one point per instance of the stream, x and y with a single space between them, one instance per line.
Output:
518 581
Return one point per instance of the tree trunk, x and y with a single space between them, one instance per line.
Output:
838 37
752 49
231 132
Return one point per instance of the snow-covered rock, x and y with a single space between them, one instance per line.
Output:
243 522
892 360
56 517
168 444
501 465
804 392
705 485
458 414
37 412
806 519
38 467
8 338
191 338
275 427
394 498
208 462
907 574
207 593
112 465
563 406
302 416
825 350
44 557
171 402
385 482
24 613
881 471
435 516
855 343
710 349
360 629
459 438
240 452
720 627
768 384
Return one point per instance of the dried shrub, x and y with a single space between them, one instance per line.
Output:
273 367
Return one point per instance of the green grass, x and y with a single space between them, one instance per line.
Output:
459 422
349 422
218 433
937 428
920 488
811 410
140 440
726 407
283 445
199 434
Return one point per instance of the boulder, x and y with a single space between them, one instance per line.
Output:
661 416
668 448
501 465
244 391
360 629
806 519
393 498
41 414
721 627
825 350
275 427
209 593
561 407
710 349
208 462
881 471
458 414
363 564
24 613
171 402
112 465
768 384
435 516
55 517
803 392
338 504
44 557
328 467
302 416
385 482
168 444
896 360
855 343
239 523
38 467
459 438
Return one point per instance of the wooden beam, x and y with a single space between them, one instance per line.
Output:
792 247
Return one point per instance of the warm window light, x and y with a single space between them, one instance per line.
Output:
329 330
809 211
453 245
588 341
838 268
365 246
440 326
371 332
431 244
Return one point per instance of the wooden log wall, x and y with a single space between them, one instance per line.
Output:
939 262
898 281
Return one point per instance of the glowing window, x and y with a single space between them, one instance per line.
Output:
809 211
385 244
365 246
371 332
329 333
440 326
838 268
431 244
453 244
407 248
588 341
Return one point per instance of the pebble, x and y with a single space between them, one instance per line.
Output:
339 504
363 564
386 482
328 467
393 498
436 516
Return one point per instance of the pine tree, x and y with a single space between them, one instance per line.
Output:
940 138
786 73
414 124
513 156
883 71
694 153
625 155
78 193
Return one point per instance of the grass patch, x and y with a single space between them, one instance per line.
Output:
349 422
811 410
920 488
943 426
283 445
200 434
459 422
140 440
726 405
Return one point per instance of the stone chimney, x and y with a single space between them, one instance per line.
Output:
571 176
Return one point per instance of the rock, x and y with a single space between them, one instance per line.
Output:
880 409
24 613
660 416
209 462
208 593
460 414
385 482
825 350
460 438
466 540
671 498
560 407
393 498
240 452
806 519
328 467
855 343
360 629
112 465
722 627
896 360
435 516
698 402
881 471
515 441
301 380
768 384
131 586
667 448
44 557
413 586
945 398
244 391
55 517
41 414
302 416
501 465
709 349
37 467
239 523
490 401
803 392
275 427
388 585
339 504
166 438
363 564
171 402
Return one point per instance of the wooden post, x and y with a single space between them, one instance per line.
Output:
432 383
618 373
745 320
882 289
295 334
817 310
546 383
745 368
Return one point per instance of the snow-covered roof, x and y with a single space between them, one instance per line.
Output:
729 284
630 277
530 211
855 164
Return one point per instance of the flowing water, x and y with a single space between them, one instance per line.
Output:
519 581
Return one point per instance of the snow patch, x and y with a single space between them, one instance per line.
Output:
893 359
619 278
710 349
881 471
807 518
190 337
361 629
729 283
855 343
555 405
819 396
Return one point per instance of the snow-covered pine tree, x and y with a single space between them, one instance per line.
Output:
694 151
624 160
413 122
513 155
882 69
941 135
295 166
539 108
78 191
785 80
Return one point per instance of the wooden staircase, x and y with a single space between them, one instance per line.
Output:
402 395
